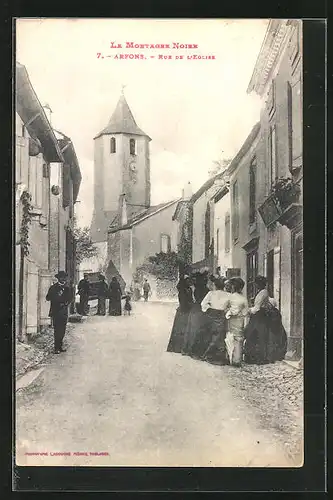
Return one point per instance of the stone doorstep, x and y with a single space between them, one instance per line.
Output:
28 378
297 365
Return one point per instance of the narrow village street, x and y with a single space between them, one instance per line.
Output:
117 391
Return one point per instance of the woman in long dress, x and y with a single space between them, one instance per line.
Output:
215 305
265 336
236 315
185 299
197 319
115 298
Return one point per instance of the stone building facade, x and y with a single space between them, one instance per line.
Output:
267 229
222 229
36 148
38 158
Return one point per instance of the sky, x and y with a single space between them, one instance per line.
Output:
195 110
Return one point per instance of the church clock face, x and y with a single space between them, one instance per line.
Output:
133 171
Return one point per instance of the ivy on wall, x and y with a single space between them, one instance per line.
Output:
26 220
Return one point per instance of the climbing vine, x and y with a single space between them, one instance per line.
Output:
26 220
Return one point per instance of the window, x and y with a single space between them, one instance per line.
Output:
165 243
112 145
23 131
296 123
46 190
235 218
207 230
227 232
252 208
35 181
132 146
251 273
66 185
272 148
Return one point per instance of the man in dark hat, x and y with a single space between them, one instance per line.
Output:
60 296
102 294
84 292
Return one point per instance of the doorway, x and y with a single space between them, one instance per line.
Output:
297 293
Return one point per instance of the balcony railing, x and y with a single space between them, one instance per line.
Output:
288 214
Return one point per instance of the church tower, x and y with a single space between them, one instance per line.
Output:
121 169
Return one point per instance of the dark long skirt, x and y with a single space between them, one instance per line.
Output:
197 323
203 337
115 307
216 351
101 306
266 338
176 340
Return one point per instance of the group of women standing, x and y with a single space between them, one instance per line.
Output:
112 292
214 322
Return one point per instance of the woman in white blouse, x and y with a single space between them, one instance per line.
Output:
215 304
266 339
236 315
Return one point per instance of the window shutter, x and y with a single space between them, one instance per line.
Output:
66 185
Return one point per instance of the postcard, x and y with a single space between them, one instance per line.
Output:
158 242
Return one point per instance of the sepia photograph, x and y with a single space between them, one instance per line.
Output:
158 277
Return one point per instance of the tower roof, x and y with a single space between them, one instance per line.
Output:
122 121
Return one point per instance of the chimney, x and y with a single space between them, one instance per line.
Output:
187 192
122 210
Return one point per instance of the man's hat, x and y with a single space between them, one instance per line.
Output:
61 274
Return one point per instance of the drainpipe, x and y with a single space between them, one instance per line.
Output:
21 294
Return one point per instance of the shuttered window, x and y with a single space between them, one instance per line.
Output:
66 185
227 233
252 194
235 215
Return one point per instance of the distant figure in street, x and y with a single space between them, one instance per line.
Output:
102 294
266 339
236 315
60 296
115 298
146 290
128 305
84 291
185 299
136 294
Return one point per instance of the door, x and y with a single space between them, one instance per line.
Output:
270 273
251 274
298 305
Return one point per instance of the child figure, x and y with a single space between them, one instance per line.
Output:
128 305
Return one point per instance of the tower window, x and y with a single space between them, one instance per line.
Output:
132 146
112 145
